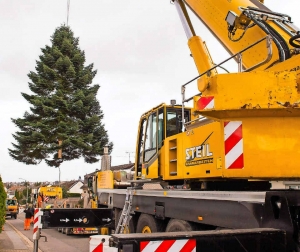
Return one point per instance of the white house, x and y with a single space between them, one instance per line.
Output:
73 186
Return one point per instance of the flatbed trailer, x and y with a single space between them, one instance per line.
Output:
210 210
227 240
240 240
235 216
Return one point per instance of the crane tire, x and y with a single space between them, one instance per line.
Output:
129 230
176 225
148 224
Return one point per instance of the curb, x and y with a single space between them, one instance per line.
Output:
28 242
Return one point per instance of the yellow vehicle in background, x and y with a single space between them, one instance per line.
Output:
52 192
12 208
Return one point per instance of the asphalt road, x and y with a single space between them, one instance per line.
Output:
56 241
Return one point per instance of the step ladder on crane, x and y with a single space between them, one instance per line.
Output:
126 212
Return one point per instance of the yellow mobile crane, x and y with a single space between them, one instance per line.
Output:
240 134
243 126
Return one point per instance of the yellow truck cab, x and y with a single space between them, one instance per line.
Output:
51 192
12 208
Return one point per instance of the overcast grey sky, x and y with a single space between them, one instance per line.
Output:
138 47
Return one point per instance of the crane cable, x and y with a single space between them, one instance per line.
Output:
68 11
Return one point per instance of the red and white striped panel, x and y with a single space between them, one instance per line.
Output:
37 223
168 246
207 102
234 151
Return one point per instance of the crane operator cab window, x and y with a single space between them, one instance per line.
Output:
174 120
150 139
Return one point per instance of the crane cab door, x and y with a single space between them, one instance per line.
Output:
155 126
150 140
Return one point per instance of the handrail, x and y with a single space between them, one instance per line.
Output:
239 57
269 57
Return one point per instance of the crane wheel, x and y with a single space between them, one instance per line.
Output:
148 224
127 230
175 225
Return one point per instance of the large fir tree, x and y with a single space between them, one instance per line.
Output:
65 115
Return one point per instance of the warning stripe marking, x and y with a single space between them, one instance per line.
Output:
168 246
233 140
143 244
207 102
36 222
232 156
239 162
230 128
35 229
165 246
99 248
189 246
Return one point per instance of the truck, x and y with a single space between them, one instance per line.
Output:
12 207
209 167
51 192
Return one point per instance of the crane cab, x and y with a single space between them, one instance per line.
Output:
160 123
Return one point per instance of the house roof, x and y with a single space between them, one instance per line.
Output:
69 184
19 188
122 167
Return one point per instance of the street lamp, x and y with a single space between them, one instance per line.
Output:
26 189
58 175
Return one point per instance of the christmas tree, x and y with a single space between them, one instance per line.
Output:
64 122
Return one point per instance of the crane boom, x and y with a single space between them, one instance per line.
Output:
247 22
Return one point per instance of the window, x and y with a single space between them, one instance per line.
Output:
174 121
11 202
171 123
160 128
141 146
151 137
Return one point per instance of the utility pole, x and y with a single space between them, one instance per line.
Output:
26 190
59 176
128 152
68 11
